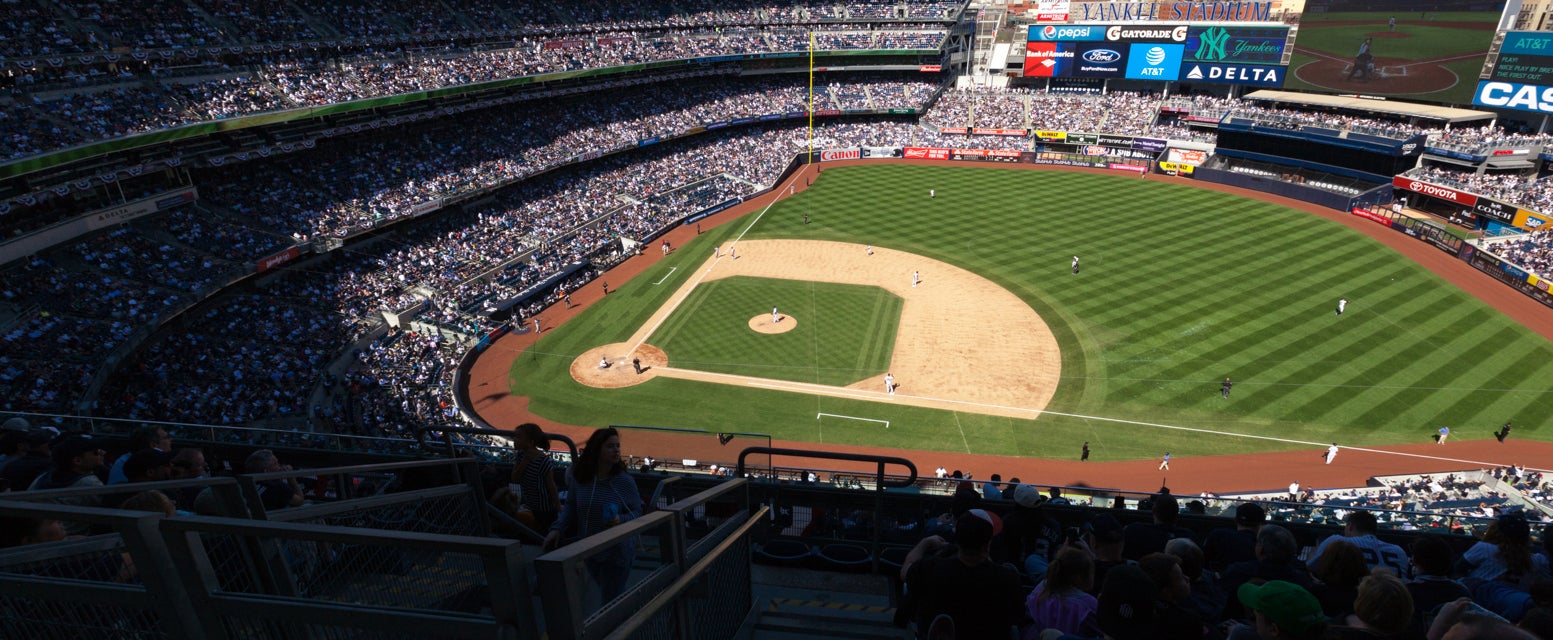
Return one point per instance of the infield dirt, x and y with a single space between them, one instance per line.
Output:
962 343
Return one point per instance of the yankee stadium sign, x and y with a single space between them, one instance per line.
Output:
1222 11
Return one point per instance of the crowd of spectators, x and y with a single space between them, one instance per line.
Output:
1486 139
1521 189
1532 252
1254 579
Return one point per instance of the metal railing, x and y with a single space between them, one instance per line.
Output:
661 602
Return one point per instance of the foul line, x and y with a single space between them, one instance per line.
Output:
880 396
837 415
665 276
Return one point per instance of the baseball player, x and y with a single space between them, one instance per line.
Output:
1075 264
931 194
1331 453
1445 432
1164 464
774 317
536 324
1225 387
889 383
869 250
915 278
1342 303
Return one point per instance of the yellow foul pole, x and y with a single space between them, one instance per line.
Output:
811 96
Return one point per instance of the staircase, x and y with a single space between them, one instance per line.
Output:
799 604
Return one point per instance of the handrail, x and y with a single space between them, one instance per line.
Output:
420 436
657 492
879 475
690 575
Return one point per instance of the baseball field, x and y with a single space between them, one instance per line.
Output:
1431 56
1001 349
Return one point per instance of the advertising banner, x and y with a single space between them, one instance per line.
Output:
1188 156
1495 210
1433 190
1100 60
1051 11
278 259
1154 61
1124 142
1054 136
985 155
1218 44
1535 43
1149 144
1253 75
1049 59
1530 220
1177 168
926 153
1371 216
1155 33
124 213
1199 10
1067 33
1511 152
930 68
959 131
426 207
829 155
1514 95
999 132
1085 138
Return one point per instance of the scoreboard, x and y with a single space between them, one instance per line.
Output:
1522 75
1215 53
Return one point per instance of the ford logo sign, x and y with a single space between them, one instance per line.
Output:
1101 56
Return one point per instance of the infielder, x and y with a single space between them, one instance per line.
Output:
915 278
889 384
869 250
1331 453
774 317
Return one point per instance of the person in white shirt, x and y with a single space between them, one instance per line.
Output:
1360 531
1331 452
1294 491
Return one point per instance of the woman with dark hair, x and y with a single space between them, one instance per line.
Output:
1339 569
534 473
1505 553
599 495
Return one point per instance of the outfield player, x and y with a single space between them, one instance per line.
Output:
931 194
1225 387
1342 303
1075 264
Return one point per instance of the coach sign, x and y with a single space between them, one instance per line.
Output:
1495 210
1435 191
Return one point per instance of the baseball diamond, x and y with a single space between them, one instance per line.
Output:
1181 286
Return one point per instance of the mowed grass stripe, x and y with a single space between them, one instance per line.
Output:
1180 287
829 344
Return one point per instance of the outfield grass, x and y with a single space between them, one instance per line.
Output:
1181 287
844 333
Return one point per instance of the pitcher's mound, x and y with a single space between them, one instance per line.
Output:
619 373
763 324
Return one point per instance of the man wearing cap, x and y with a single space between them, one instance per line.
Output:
1360 529
26 467
1283 610
1226 546
140 440
1126 610
1027 531
1105 540
982 597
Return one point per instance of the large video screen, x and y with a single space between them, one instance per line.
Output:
1522 77
1226 54
1425 51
